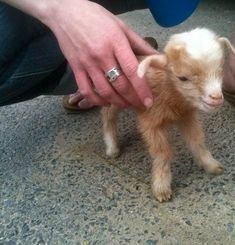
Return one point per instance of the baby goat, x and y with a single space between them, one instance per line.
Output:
186 78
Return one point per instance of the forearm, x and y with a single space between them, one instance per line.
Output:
35 8
42 9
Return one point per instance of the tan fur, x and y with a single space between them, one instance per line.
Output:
175 102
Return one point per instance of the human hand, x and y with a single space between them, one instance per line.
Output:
94 41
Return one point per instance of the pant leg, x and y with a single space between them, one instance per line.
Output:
31 62
36 70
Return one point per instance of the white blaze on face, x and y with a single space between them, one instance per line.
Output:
201 43
213 91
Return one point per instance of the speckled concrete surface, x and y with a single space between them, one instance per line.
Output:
57 186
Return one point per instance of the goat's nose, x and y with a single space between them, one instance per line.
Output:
216 96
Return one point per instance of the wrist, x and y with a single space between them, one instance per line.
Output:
37 9
49 9
46 10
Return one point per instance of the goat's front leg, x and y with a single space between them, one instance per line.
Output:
193 133
109 118
160 151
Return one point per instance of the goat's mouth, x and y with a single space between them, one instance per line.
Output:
210 105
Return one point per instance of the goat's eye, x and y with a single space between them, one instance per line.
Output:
183 79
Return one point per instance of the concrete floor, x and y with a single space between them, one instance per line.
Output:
57 186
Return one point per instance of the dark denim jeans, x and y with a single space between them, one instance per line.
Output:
31 62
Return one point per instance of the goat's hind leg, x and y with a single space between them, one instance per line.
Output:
109 118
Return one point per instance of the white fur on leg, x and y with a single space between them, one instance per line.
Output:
112 149
109 117
162 189
161 179
210 165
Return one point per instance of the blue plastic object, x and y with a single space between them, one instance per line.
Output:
169 13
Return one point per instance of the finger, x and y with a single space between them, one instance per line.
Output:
105 90
86 89
75 98
123 87
80 100
138 44
129 65
85 104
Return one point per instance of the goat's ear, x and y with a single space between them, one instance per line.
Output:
156 60
226 43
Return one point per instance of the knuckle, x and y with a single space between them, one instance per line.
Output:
86 93
121 23
98 50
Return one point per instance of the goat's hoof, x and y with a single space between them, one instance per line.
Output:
218 169
215 168
113 152
161 192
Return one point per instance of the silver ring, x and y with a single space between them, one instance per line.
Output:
113 74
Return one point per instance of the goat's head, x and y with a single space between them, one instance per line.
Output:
194 64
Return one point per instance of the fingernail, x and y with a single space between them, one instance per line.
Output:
72 98
84 104
75 98
148 102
